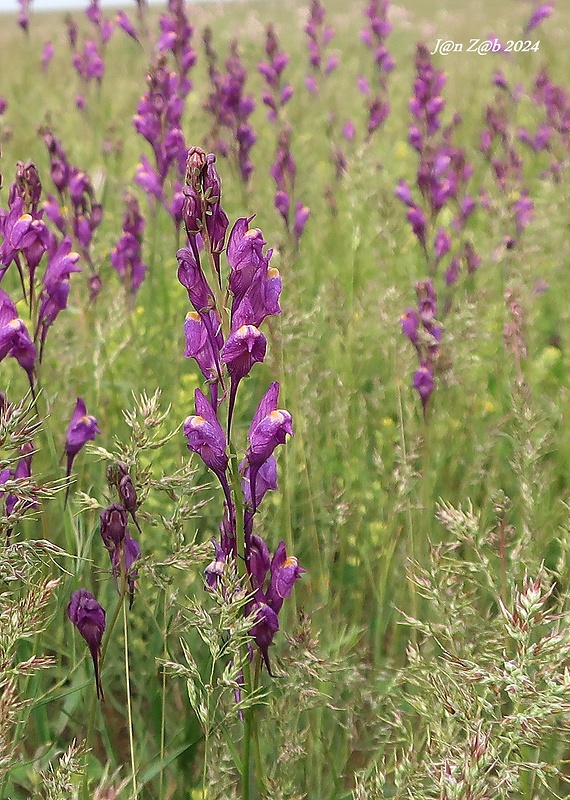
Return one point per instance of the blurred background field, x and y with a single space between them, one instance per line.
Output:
363 477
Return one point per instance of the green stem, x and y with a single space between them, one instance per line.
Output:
129 706
409 518
242 572
163 706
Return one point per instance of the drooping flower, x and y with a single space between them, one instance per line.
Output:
205 435
268 429
89 618
82 428
15 340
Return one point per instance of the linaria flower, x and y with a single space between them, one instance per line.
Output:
268 429
82 428
15 340
89 618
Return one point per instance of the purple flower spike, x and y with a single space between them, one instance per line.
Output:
82 428
89 619
539 15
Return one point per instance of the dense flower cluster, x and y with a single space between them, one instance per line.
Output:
26 241
231 134
226 343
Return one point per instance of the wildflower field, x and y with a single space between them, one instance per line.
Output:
285 401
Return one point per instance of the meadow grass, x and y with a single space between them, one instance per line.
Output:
403 668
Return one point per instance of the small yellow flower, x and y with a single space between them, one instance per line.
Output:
401 150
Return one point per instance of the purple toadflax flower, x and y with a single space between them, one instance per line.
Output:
277 93
284 171
89 618
539 14
126 255
230 108
424 332
205 436
374 37
47 55
273 581
15 340
82 428
123 549
269 428
318 37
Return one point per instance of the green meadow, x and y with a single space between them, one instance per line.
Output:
425 653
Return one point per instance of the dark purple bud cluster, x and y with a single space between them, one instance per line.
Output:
318 37
126 255
83 610
231 134
278 93
422 329
374 37
283 171
123 550
223 336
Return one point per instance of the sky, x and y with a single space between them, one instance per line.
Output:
46 5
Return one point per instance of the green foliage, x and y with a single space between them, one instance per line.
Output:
425 652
